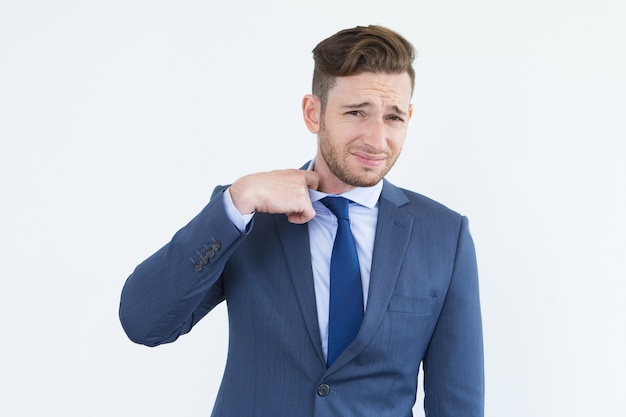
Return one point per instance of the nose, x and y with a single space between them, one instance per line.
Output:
376 135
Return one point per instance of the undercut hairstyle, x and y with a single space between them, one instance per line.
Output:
362 49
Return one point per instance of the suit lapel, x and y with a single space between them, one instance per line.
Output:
295 242
393 231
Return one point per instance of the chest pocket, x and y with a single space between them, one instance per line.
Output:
412 305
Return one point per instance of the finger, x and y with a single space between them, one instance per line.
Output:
301 217
304 214
312 179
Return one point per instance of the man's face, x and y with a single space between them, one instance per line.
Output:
362 130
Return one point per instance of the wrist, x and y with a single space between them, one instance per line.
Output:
240 197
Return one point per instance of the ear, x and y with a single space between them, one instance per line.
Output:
311 111
410 111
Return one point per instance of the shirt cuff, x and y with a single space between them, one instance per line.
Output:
239 220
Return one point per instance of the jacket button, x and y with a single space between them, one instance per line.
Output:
197 267
217 245
210 254
323 390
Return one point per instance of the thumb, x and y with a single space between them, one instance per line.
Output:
312 179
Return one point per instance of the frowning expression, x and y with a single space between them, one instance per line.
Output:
362 130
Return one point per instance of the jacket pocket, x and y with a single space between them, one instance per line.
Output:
412 305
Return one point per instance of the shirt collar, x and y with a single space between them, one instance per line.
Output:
365 196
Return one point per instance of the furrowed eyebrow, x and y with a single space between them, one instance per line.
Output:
367 104
399 110
356 106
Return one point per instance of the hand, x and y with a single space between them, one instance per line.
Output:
285 191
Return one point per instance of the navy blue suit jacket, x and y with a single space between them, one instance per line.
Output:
423 306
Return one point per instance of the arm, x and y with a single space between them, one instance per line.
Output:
174 288
453 367
168 293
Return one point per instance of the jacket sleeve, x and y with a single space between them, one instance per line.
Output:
175 287
453 366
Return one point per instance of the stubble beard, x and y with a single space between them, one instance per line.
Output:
336 160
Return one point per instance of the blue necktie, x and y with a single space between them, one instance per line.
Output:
346 293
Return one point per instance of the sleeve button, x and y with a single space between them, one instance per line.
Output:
197 267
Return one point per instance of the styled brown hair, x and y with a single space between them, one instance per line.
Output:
361 49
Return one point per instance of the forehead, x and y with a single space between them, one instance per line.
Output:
383 87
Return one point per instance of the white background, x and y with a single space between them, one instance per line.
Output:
117 119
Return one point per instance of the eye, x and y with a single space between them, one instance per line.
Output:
354 113
395 118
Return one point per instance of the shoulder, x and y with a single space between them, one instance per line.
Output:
416 203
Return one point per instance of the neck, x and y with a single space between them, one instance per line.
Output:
329 183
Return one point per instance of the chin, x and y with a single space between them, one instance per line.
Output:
367 179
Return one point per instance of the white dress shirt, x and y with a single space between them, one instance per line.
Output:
322 230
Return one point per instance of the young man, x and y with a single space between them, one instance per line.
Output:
331 310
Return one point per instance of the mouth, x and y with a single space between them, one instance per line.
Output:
370 160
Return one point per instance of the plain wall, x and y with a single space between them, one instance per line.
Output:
117 119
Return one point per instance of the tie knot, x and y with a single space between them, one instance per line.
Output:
338 205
